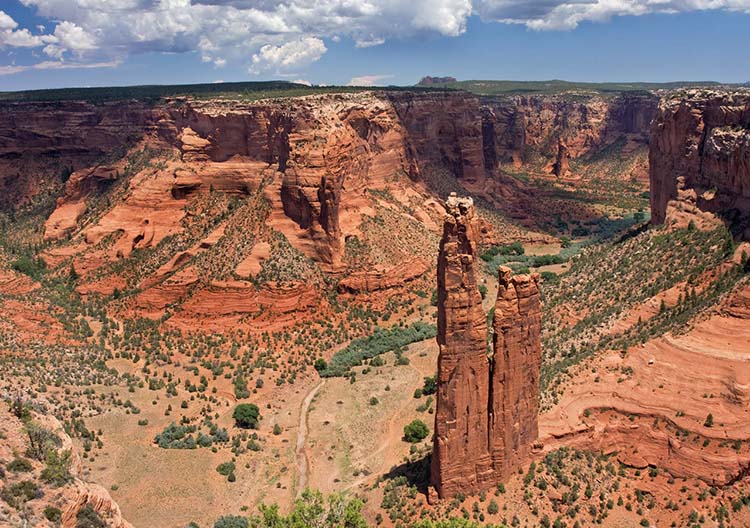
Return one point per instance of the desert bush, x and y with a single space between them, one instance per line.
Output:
52 514
430 385
19 493
246 415
57 470
41 440
87 517
312 509
416 431
176 437
19 465
232 521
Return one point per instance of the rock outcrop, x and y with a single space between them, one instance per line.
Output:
514 127
700 157
516 363
460 456
486 413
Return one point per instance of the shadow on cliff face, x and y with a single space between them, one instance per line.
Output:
416 473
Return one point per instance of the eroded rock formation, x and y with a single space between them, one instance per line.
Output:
515 126
700 156
486 414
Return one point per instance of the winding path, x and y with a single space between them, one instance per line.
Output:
303 464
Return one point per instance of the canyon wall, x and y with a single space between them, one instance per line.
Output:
487 407
561 127
700 157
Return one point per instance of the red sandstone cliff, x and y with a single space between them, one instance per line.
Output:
486 411
516 363
460 456
700 156
515 127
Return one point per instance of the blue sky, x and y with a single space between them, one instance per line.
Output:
58 43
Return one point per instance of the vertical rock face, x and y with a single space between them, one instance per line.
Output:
515 371
444 129
486 414
512 125
701 145
460 459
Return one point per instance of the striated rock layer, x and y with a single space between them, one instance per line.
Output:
486 413
700 157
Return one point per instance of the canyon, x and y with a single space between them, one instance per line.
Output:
163 260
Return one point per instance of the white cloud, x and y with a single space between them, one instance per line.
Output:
291 54
278 36
57 65
368 80
566 15
11 36
302 81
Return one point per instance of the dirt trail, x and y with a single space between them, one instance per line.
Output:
303 464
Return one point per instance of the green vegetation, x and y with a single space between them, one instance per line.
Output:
245 91
231 521
88 518
19 465
56 471
33 267
311 509
601 300
246 415
19 493
52 514
508 249
491 87
381 341
416 431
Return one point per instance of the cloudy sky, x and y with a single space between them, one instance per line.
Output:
53 43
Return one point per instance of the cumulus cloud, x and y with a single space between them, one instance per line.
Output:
12 36
368 80
300 52
279 36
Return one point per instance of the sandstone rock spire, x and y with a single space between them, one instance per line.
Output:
486 411
460 459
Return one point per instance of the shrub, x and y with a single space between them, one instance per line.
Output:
34 268
176 437
41 440
57 470
88 518
20 465
231 521
20 492
320 364
416 431
225 468
430 385
276 429
709 420
374 401
53 514
246 415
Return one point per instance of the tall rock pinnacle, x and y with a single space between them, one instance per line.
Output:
486 413
460 459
